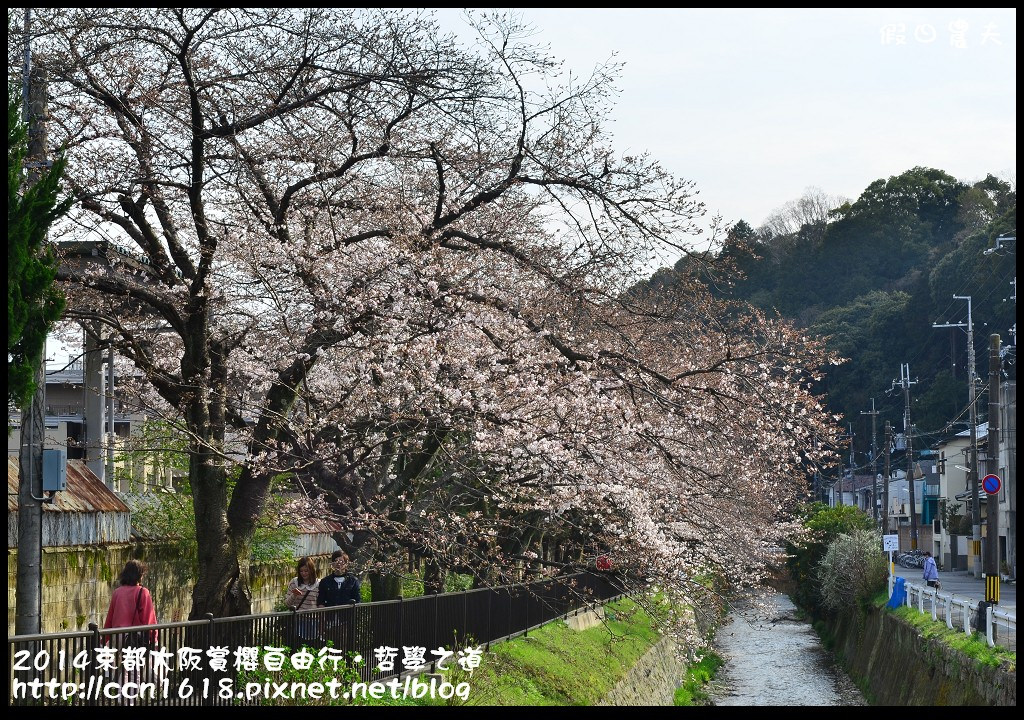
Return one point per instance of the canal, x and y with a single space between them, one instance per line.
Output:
774 658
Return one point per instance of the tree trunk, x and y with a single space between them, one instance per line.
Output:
433 578
222 585
385 587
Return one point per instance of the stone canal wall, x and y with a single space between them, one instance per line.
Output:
897 666
652 680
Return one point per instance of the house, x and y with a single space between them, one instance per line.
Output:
70 402
957 494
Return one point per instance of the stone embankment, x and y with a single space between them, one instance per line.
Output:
653 680
898 666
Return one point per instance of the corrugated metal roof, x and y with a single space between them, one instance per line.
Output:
317 525
84 493
981 430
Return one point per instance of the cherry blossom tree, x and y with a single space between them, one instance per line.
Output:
341 245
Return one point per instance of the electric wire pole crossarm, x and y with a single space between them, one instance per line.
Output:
972 473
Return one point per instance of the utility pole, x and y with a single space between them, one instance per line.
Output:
972 470
992 549
853 484
839 467
905 383
819 493
885 480
28 585
839 497
874 461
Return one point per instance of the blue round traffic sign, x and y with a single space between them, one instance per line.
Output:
992 484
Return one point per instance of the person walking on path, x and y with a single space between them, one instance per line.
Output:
931 573
340 587
131 604
302 590
302 595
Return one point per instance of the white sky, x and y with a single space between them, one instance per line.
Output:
757 105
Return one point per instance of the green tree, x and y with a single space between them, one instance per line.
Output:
871 331
823 525
33 303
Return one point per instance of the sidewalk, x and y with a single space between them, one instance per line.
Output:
963 584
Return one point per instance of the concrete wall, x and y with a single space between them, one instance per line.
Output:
78 582
925 541
900 667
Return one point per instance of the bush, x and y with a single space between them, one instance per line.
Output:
823 525
852 570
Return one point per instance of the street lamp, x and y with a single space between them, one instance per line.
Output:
999 243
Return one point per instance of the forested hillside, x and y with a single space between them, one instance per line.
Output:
874 274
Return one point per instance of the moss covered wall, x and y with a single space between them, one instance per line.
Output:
897 666
78 581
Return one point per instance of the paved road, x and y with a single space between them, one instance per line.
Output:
962 583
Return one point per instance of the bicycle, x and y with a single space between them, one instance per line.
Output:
911 559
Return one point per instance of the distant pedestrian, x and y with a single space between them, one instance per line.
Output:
302 595
131 604
340 587
931 573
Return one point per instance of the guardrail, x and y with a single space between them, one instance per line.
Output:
962 613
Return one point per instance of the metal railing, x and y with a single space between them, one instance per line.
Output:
188 663
961 613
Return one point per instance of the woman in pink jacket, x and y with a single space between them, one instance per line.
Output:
131 604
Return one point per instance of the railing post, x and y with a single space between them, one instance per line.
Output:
935 599
988 626
205 668
435 620
949 611
94 643
967 619
490 630
352 631
526 631
401 615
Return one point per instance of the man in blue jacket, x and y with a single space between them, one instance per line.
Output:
340 587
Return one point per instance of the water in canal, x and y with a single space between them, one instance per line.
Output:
772 658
